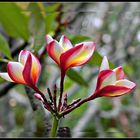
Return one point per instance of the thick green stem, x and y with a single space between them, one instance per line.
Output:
55 122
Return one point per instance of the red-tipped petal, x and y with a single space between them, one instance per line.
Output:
78 55
119 73
109 80
15 70
23 56
27 71
54 51
65 43
102 76
36 69
112 91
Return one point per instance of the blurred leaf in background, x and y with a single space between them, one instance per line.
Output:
4 47
14 21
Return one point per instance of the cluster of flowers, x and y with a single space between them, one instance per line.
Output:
110 83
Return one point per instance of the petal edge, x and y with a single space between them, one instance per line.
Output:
14 70
5 76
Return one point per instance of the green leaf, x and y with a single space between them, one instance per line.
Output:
78 38
39 39
52 8
50 19
42 22
96 59
108 104
4 60
13 20
128 69
75 76
36 16
4 47
37 24
51 23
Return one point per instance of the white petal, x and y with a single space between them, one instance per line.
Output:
110 80
119 73
125 83
49 39
55 50
78 55
23 56
6 76
15 70
104 64
65 43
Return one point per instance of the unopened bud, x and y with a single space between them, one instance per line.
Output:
38 96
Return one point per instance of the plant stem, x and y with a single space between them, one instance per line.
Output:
53 131
44 98
61 89
79 104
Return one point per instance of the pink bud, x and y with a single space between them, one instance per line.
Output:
38 96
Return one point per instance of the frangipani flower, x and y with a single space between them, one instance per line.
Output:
65 55
25 71
111 83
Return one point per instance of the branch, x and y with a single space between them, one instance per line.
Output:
30 95
4 88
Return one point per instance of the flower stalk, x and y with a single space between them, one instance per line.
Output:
46 103
55 123
54 98
67 111
61 90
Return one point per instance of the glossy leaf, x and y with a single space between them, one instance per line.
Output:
75 76
37 15
14 21
39 38
4 47
50 19
96 59
78 38
37 24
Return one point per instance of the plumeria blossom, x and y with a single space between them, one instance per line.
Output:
65 55
25 71
111 83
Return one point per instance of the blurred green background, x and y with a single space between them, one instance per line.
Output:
114 26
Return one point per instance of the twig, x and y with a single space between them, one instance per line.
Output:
54 97
50 95
30 93
5 87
